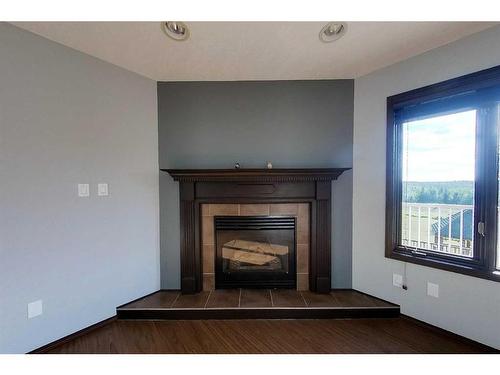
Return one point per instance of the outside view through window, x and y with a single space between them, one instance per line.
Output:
438 183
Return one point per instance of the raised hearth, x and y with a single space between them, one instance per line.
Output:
257 304
255 188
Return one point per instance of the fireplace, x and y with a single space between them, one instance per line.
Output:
301 193
255 251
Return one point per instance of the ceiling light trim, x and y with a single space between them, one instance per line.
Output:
175 30
332 31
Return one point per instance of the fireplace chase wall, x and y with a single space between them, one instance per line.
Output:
245 191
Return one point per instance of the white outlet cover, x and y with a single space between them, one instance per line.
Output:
397 280
102 190
433 290
35 308
83 190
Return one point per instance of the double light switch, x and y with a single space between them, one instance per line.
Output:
84 190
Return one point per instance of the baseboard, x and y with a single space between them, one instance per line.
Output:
137 299
54 344
372 296
442 331
454 336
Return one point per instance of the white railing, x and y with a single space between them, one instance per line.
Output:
438 227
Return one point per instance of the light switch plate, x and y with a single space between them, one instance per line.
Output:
397 280
35 308
102 190
433 290
83 190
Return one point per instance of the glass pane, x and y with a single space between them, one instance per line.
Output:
251 256
438 183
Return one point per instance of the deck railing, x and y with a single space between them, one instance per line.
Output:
445 228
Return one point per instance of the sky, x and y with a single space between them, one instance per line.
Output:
440 148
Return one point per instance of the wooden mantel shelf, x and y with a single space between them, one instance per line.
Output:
247 174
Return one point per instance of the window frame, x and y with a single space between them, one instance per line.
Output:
480 91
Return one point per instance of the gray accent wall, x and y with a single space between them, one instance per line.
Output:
68 118
291 123
466 305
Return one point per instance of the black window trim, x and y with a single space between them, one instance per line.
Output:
478 90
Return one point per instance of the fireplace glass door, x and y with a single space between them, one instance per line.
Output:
255 251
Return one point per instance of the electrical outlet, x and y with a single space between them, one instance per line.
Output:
102 190
83 190
433 290
397 280
35 308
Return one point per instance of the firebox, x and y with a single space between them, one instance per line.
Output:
255 252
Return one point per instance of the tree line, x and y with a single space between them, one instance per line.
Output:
449 192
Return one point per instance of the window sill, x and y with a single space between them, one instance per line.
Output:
442 264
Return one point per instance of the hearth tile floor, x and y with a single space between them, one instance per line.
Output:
256 298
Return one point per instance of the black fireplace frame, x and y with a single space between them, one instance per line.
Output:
257 280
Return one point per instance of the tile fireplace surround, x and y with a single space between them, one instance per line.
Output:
299 210
302 193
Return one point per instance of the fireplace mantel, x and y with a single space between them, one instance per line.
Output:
242 186
248 174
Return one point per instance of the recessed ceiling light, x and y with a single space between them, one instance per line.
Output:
175 30
332 31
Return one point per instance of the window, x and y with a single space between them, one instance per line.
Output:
443 191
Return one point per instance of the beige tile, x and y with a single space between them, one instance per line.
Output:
302 258
284 209
208 281
303 237
205 209
208 257
303 221
207 230
303 227
302 281
303 224
303 209
223 209
254 209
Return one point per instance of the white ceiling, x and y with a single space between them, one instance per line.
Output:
252 50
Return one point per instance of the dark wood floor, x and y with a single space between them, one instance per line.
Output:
396 335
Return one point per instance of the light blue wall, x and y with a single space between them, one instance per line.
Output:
468 306
68 118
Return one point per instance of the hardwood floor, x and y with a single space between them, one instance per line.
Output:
396 335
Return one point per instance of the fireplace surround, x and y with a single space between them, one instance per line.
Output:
297 211
253 187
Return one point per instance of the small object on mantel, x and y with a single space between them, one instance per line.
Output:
237 165
269 165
